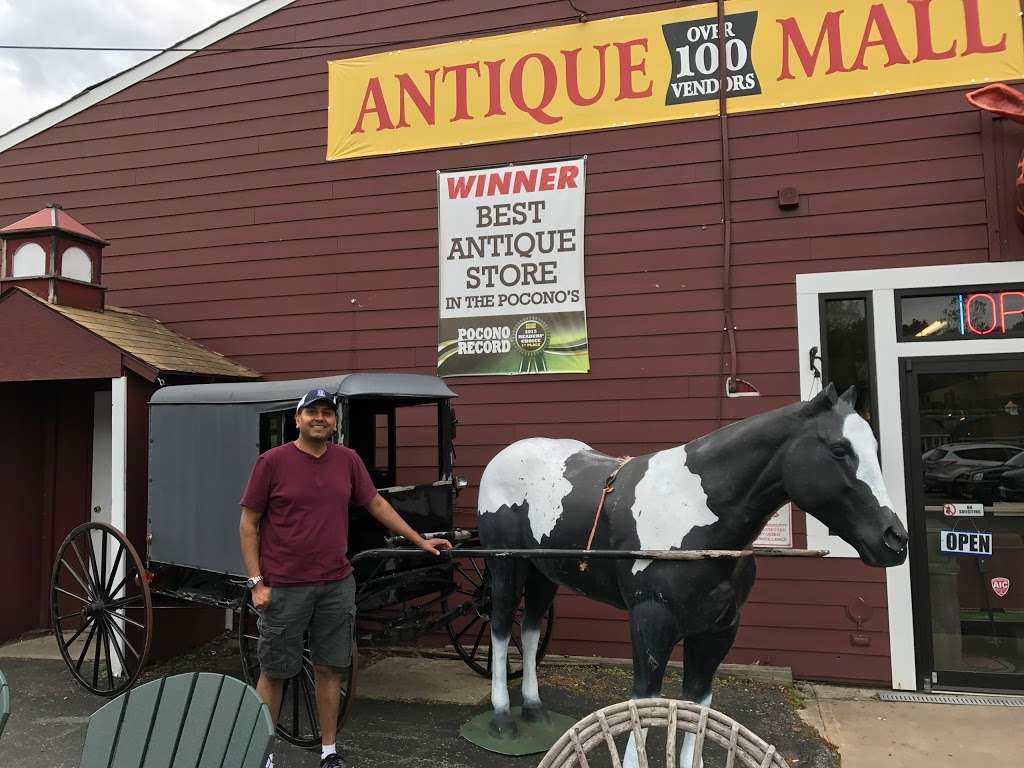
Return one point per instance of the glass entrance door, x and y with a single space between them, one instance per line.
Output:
966 495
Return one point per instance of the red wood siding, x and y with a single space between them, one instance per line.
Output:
41 344
227 223
21 483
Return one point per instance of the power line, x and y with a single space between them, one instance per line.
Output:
347 48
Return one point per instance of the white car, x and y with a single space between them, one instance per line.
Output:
945 465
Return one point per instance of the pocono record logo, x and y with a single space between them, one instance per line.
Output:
694 49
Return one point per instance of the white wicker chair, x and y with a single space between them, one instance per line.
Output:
742 748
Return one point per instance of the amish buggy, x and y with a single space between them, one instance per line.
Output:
204 440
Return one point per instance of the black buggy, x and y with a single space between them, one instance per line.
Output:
203 442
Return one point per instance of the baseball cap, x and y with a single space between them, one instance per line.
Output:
315 396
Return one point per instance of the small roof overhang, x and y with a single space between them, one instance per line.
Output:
411 385
47 341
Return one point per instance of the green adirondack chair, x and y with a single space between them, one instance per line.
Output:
195 720
5 702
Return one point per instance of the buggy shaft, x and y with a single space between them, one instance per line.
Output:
596 554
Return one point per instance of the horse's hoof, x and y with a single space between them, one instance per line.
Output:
503 726
535 714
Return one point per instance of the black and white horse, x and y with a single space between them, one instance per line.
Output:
716 492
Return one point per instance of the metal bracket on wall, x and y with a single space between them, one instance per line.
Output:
737 387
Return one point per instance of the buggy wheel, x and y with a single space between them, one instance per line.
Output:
469 627
101 609
297 722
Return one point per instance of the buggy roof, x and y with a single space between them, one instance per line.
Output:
412 385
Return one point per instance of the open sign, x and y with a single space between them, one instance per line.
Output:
953 314
987 313
973 543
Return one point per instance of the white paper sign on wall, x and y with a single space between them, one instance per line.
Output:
778 532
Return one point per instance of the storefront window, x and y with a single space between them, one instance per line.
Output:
962 314
847 349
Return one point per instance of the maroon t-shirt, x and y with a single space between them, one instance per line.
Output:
304 502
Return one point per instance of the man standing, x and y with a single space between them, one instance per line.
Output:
294 537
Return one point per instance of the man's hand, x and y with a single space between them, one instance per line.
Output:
434 546
260 596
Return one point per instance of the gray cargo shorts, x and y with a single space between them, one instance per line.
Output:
326 611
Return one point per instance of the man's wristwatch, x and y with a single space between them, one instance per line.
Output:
252 581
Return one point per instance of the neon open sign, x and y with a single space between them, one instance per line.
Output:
962 315
982 314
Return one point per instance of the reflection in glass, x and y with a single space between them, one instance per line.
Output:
847 350
972 445
969 315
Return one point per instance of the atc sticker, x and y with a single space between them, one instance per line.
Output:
963 510
1000 586
972 543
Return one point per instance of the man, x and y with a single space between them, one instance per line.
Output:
294 536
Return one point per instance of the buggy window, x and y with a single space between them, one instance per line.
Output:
278 428
398 442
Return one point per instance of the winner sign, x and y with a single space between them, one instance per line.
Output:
511 270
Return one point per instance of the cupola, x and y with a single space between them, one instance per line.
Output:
55 257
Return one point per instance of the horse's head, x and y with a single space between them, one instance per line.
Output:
831 471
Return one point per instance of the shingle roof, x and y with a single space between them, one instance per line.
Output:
52 218
151 342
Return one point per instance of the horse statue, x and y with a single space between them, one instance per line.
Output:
716 492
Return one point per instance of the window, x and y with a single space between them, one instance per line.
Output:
276 428
847 354
997 454
398 441
961 313
29 261
75 263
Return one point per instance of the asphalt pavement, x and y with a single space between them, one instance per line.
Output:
407 725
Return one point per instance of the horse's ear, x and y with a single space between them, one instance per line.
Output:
850 397
823 401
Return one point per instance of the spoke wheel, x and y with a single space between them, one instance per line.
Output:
470 629
297 723
101 609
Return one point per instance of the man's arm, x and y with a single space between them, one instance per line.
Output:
249 536
386 515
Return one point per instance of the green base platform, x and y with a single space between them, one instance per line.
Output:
533 738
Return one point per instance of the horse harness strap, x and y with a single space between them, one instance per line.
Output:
608 483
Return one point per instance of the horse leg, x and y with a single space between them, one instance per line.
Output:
701 656
652 630
540 591
507 577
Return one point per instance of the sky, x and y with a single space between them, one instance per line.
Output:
32 82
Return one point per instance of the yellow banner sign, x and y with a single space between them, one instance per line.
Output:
654 67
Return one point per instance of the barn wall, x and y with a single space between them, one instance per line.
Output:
21 482
227 224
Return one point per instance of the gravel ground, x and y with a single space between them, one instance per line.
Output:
47 727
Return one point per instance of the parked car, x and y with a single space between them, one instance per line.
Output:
947 466
1011 485
983 484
